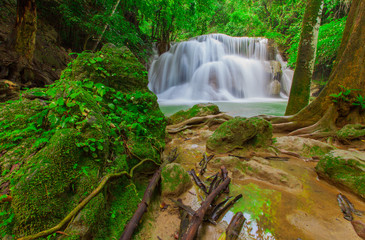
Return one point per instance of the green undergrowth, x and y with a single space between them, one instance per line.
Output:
99 118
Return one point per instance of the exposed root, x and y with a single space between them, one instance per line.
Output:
325 127
276 119
194 122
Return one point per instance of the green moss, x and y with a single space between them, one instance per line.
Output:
198 110
240 133
86 131
174 180
351 131
348 172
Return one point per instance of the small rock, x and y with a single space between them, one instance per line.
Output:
8 90
275 87
174 180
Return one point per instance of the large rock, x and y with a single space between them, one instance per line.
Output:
174 180
240 133
344 168
276 70
198 110
305 147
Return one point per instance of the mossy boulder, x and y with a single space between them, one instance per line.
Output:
305 147
198 110
344 168
240 133
351 131
174 180
57 143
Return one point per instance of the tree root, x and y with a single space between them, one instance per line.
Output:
325 127
198 122
84 202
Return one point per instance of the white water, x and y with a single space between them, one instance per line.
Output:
212 67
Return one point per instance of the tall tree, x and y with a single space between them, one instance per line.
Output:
322 117
300 89
26 28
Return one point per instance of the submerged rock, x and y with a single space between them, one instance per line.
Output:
305 147
344 168
174 180
240 133
198 110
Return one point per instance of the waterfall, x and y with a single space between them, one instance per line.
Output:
213 67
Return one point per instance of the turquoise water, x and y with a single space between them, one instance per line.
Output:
249 108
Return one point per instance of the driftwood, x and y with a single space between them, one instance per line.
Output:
198 182
184 224
198 122
235 226
142 207
215 216
197 219
204 163
224 173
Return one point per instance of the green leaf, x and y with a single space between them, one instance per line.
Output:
89 84
111 105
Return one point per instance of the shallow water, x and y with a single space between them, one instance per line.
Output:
247 108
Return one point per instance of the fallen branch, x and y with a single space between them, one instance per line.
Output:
198 217
224 173
215 216
235 226
142 207
198 182
83 203
204 163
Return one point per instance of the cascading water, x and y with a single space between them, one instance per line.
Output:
213 67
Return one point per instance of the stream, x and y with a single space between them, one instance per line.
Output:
299 206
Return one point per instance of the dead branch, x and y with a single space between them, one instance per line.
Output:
235 226
142 207
197 219
204 163
215 216
224 173
198 182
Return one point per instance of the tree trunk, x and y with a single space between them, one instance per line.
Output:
300 90
26 28
349 71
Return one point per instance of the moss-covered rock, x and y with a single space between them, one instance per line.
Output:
344 168
174 180
240 133
55 148
198 110
351 131
305 147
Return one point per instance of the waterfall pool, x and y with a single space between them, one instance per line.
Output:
244 108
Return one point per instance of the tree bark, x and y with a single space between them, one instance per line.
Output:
300 90
26 28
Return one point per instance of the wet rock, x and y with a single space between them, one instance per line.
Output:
174 180
305 147
8 90
198 110
276 70
240 133
271 49
261 169
345 169
351 131
275 87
